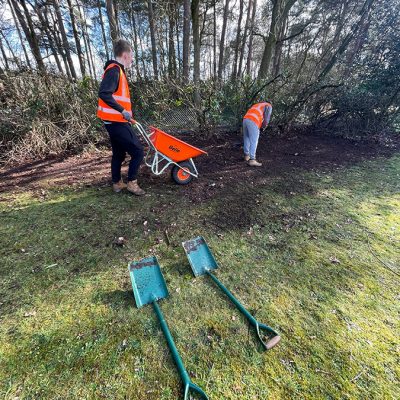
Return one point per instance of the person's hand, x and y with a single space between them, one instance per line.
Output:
127 115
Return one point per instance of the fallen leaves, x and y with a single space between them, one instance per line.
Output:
334 260
119 241
30 314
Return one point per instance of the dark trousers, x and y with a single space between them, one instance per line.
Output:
124 140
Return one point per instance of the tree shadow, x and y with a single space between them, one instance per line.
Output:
116 299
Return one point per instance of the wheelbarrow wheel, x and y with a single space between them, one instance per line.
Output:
181 174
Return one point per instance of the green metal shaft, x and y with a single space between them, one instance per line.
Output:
237 303
171 344
234 300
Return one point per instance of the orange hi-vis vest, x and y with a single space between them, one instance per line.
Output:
121 96
256 113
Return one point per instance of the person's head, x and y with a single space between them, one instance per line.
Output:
123 52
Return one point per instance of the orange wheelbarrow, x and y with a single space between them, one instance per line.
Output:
165 150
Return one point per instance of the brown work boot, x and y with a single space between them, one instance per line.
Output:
254 163
117 187
246 157
134 188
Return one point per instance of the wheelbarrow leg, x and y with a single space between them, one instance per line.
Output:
257 325
188 384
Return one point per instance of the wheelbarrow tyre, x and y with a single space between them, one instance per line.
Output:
179 175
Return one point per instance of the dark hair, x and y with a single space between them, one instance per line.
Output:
121 46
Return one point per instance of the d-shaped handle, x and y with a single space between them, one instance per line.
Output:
271 342
191 386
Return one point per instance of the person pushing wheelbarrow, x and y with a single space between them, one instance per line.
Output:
256 118
115 110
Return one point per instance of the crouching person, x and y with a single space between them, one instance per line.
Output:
256 118
115 110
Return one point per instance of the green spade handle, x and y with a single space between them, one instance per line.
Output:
257 325
189 385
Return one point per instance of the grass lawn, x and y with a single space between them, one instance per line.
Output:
300 250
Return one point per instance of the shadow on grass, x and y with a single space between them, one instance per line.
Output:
116 299
66 238
281 268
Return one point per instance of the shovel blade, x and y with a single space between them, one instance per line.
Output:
148 283
200 257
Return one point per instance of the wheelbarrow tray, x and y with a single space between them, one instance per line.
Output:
148 283
175 149
165 150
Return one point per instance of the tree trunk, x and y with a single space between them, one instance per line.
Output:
82 24
243 43
54 40
28 63
103 31
171 43
86 40
30 33
140 35
348 38
237 43
186 41
45 26
64 38
279 43
250 51
135 39
153 38
6 65
15 59
110 7
270 42
77 39
215 41
280 11
116 18
162 47
178 45
60 47
357 45
196 47
222 41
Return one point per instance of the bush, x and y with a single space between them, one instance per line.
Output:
41 116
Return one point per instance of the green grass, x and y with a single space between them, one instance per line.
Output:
69 327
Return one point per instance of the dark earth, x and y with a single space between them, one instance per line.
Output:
220 171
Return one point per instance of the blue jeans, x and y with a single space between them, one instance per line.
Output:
251 133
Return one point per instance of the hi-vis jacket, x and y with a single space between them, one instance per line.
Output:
256 113
121 96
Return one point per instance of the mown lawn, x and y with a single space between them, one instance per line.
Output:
300 251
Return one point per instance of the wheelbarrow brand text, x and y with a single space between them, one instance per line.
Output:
174 149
